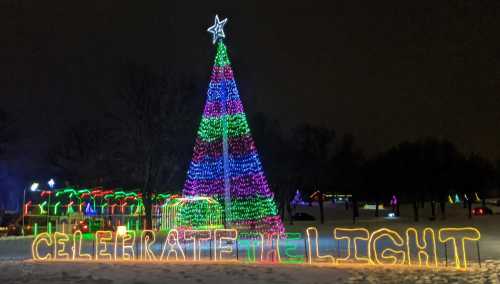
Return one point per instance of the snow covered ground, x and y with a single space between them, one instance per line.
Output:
106 273
456 216
16 266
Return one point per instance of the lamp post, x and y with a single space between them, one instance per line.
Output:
33 187
51 184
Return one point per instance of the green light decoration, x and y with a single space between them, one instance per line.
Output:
103 207
211 128
69 191
292 243
70 210
140 207
162 196
253 243
42 210
222 58
194 213
56 206
225 164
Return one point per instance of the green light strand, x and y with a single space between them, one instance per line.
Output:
211 128
222 59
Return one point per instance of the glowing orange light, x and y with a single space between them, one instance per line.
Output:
352 237
317 256
101 238
147 240
173 246
60 240
121 230
393 256
41 238
428 243
128 236
197 236
385 246
221 235
464 234
77 249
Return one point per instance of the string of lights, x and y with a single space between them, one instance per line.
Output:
234 171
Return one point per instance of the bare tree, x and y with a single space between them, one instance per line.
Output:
151 115
83 155
346 170
5 131
315 148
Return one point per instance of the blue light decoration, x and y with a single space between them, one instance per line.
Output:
89 210
225 163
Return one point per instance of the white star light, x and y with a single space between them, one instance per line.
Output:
217 30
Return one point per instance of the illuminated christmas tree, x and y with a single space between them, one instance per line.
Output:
225 163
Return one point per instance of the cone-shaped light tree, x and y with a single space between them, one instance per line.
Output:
225 163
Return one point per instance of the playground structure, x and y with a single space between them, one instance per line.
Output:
66 210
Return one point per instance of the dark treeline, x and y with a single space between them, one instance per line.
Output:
145 141
312 158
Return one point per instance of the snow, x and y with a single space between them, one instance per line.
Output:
203 273
16 266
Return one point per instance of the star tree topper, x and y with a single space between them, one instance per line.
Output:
217 30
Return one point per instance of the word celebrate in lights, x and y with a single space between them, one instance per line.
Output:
359 246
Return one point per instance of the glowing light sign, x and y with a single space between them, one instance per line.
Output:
379 247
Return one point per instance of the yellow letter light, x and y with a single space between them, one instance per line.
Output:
148 238
459 235
197 236
319 258
393 256
173 246
60 239
127 236
45 238
77 249
425 249
352 236
101 237
226 235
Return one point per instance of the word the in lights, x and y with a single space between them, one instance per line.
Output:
359 246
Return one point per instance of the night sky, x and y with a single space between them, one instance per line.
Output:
384 71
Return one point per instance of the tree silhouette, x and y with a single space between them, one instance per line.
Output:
314 151
150 122
84 154
346 173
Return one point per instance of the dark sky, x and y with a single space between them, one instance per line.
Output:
384 71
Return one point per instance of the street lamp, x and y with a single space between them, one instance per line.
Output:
33 187
51 184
